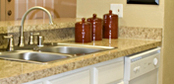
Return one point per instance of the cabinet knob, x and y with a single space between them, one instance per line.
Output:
9 0
9 13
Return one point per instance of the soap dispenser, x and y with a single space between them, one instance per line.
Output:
83 32
110 25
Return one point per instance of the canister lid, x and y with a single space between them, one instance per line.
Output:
110 14
83 22
94 19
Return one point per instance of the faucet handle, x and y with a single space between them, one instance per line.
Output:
10 46
40 41
8 37
31 38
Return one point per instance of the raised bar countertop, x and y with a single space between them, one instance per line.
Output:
37 25
12 72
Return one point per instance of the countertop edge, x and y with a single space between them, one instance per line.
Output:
115 53
37 25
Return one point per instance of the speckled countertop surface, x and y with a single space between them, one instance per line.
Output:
36 25
12 72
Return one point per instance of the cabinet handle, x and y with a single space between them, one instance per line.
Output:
9 0
9 13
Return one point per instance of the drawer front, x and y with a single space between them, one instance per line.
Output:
82 77
110 73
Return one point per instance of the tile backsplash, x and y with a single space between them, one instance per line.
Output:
54 35
63 34
140 33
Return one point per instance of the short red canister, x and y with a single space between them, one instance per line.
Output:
83 32
110 25
97 27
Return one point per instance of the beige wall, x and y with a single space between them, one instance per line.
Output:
58 8
2 9
65 8
133 15
168 43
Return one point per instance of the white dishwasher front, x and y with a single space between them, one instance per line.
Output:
142 68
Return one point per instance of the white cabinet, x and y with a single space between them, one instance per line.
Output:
35 82
39 83
108 72
82 77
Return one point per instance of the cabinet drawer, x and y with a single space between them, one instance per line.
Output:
34 83
110 73
82 77
38 83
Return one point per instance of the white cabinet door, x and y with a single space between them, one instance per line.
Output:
110 73
34 82
82 77
38 83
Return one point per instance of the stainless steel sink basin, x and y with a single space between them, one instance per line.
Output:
50 52
32 56
69 50
74 49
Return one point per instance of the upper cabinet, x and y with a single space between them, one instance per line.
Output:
14 9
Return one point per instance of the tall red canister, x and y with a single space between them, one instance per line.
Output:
83 32
97 27
110 25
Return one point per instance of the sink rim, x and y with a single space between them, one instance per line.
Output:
31 61
67 44
71 50
82 46
70 45
85 45
49 45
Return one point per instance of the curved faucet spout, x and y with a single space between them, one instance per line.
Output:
21 43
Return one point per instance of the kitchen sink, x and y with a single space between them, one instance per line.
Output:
32 56
50 52
77 49
66 48
69 50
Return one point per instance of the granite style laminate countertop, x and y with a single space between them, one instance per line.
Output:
12 72
37 25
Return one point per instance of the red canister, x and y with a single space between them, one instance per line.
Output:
110 25
83 32
96 27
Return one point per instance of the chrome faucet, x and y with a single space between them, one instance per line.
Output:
21 38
